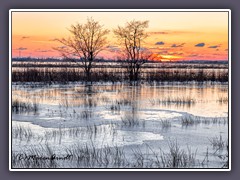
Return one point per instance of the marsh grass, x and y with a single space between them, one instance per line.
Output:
222 100
190 121
187 75
40 157
187 121
217 142
225 157
125 102
64 103
22 133
165 124
73 113
86 114
106 74
178 101
89 156
90 103
19 107
221 120
221 149
117 104
65 75
211 121
177 157
115 107
130 120
104 99
89 132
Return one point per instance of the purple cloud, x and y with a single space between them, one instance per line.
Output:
200 45
213 46
159 43
113 48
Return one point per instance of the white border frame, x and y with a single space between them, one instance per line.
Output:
120 10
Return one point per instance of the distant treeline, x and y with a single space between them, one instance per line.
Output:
120 64
39 60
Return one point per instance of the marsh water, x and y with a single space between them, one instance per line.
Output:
122 115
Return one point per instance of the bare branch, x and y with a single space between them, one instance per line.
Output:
131 37
85 42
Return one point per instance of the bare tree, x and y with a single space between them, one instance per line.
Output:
86 41
131 37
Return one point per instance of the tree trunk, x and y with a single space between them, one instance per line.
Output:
136 74
88 75
131 75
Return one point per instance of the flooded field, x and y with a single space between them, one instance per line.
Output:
135 89
169 125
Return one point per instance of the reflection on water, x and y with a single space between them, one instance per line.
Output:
115 100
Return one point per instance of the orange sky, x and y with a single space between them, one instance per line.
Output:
172 35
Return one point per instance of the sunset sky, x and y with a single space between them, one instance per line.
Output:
172 35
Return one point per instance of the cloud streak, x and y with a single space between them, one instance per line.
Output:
158 32
21 49
193 55
214 46
159 43
175 53
39 50
163 52
112 48
200 45
42 41
25 37
177 45
169 32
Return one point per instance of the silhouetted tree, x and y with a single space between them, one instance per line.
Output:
86 41
131 37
